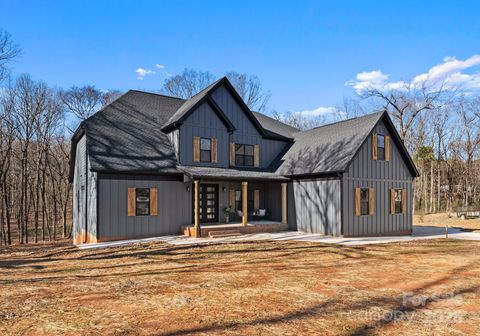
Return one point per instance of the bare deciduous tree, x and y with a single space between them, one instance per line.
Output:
82 102
299 121
407 103
109 96
191 81
8 52
187 84
250 89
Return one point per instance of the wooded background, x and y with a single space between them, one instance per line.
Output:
439 125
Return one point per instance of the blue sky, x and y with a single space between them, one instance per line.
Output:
303 51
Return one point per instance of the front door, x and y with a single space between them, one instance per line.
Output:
208 203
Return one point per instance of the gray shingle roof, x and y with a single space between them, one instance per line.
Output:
328 148
275 126
125 136
189 103
230 174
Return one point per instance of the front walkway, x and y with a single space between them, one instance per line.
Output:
419 232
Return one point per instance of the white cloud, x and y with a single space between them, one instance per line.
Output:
319 111
372 76
450 66
159 66
142 73
451 73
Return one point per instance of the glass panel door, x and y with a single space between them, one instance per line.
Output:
208 203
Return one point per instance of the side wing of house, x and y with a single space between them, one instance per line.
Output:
84 197
314 205
135 205
377 188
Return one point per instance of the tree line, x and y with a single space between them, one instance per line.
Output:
36 123
440 127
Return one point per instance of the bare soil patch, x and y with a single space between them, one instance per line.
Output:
260 288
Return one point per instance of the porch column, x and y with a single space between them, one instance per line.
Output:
244 203
284 203
195 208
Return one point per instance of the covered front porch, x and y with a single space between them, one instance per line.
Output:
227 202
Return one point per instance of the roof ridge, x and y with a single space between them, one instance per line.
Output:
158 94
276 120
342 121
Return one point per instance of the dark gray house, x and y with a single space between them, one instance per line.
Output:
149 165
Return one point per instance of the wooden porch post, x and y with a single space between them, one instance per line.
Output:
195 208
244 204
284 203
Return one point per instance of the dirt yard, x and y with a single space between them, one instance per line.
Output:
442 219
262 288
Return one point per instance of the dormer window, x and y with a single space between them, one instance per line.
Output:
205 150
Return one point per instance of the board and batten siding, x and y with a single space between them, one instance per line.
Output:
174 207
174 137
204 123
245 131
364 172
314 206
84 197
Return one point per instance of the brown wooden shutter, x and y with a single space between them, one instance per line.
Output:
404 201
196 149
214 150
371 201
387 148
256 156
232 153
392 201
131 202
357 202
232 199
256 199
374 147
153 202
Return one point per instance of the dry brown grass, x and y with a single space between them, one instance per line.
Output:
280 288
442 219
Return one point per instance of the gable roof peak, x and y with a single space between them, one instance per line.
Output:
205 95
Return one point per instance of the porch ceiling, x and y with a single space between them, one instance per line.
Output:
231 174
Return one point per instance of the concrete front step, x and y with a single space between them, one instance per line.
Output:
264 227
224 233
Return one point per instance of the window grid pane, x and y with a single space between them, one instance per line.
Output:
381 141
205 144
205 156
244 155
380 147
398 201
142 201
364 202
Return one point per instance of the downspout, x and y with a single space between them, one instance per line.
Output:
341 203
86 193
